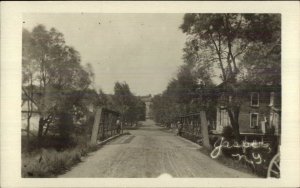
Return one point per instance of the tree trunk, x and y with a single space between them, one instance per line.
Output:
47 128
234 119
29 113
40 131
28 129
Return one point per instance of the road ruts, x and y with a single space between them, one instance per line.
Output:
150 151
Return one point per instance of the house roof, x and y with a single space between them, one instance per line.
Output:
247 87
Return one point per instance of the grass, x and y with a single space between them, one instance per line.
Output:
53 157
50 162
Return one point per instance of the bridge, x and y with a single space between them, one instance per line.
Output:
151 151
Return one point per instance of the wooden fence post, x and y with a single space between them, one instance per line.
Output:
204 130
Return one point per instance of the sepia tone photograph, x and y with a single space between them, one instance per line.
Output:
147 95
150 94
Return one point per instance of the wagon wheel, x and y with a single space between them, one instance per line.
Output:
274 167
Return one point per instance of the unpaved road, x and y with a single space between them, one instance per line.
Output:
150 151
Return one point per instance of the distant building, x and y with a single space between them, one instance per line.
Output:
148 102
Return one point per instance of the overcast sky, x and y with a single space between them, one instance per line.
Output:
143 50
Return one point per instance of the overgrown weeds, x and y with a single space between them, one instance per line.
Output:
52 156
49 163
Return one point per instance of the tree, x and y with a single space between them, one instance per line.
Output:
164 108
103 99
28 70
140 110
262 64
221 40
131 107
54 69
122 97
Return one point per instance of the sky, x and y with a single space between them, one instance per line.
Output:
143 50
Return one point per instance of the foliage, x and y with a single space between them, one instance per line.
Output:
228 133
262 64
232 43
49 163
52 79
222 38
132 109
182 95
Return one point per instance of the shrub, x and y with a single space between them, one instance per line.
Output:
49 162
228 133
212 140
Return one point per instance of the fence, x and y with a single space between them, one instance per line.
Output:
191 124
195 128
105 125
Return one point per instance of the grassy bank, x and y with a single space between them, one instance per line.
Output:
50 162
52 159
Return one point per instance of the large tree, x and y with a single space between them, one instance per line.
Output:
54 69
222 40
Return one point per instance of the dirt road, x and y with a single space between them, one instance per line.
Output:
151 151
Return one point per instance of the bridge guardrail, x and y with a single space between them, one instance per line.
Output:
106 124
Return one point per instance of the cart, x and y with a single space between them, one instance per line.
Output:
274 167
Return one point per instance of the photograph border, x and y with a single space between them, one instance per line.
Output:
11 47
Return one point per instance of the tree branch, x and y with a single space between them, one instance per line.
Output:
47 122
29 97
219 55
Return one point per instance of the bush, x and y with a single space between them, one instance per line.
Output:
228 133
50 162
48 142
54 155
212 140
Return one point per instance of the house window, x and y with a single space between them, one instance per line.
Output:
254 99
253 120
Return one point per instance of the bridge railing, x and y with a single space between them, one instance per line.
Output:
195 128
105 125
191 124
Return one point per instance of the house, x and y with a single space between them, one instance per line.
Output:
260 109
148 102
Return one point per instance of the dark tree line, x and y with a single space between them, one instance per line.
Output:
130 106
